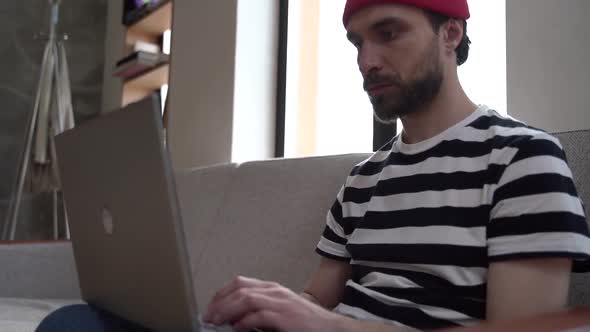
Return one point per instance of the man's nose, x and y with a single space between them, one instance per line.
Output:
369 59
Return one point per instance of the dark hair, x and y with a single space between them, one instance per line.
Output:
437 20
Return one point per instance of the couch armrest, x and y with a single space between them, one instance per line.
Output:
38 270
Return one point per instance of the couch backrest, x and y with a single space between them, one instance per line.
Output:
38 270
202 193
263 219
577 148
266 222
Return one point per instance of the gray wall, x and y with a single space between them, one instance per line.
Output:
201 82
112 87
222 81
547 62
20 54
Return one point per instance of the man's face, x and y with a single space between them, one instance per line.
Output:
398 56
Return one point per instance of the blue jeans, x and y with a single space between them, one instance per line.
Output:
81 317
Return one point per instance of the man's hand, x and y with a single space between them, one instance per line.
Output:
249 303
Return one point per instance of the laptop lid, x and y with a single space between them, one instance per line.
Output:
124 218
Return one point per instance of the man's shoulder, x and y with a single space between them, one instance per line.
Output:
504 131
500 124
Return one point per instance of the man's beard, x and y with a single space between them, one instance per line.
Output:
407 98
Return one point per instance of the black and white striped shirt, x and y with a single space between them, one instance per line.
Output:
420 223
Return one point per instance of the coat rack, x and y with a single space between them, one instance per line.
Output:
52 114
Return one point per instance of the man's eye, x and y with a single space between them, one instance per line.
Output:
387 35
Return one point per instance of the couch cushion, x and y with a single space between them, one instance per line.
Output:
271 221
24 315
201 193
577 148
38 270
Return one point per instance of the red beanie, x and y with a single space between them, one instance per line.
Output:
451 8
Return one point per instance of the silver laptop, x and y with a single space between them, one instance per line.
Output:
125 222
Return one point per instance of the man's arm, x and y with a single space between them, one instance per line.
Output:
248 303
515 289
326 285
525 287
536 213
576 319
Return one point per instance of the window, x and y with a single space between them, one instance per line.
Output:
327 111
483 76
166 43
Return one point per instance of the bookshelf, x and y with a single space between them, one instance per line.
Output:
145 76
141 86
213 97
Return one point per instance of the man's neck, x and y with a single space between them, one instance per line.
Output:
450 107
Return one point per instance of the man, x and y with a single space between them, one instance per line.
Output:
466 216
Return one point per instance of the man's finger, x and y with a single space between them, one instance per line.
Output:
236 284
240 282
263 319
244 301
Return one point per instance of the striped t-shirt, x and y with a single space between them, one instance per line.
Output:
420 223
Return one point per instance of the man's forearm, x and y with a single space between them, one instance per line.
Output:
347 324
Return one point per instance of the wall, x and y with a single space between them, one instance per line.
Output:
114 42
21 23
547 63
201 82
222 81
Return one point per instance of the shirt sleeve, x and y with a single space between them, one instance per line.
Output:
536 211
334 238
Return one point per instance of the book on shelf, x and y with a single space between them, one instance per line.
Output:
138 63
140 45
135 10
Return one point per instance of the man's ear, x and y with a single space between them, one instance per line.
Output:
452 34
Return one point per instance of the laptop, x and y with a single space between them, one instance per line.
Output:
125 222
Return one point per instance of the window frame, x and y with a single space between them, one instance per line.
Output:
382 133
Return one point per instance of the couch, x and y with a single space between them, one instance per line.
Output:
260 219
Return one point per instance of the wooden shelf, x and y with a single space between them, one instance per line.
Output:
151 26
148 27
143 85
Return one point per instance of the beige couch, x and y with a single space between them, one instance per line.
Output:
260 219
